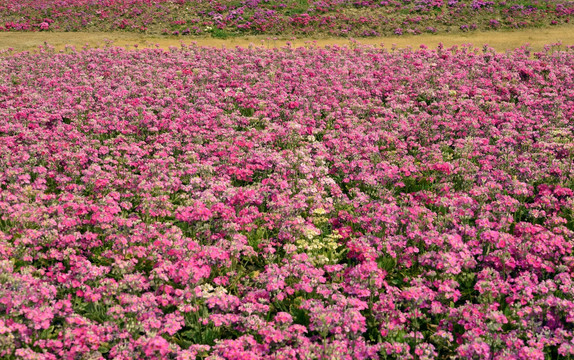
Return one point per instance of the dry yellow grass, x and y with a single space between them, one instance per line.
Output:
501 40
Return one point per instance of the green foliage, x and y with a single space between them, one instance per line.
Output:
195 332
94 311
387 263
467 289
568 214
246 111
414 184
426 99
52 186
220 33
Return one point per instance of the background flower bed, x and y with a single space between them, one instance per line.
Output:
292 17
340 203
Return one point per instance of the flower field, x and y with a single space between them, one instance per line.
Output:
309 203
226 18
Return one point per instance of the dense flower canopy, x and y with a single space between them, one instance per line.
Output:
224 18
336 203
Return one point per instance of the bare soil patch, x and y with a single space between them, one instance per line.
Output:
499 40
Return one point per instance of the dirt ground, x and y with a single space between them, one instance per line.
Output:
500 40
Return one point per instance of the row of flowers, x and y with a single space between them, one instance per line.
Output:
290 17
309 203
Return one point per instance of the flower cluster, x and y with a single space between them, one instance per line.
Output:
225 18
311 203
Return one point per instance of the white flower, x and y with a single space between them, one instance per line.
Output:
319 211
